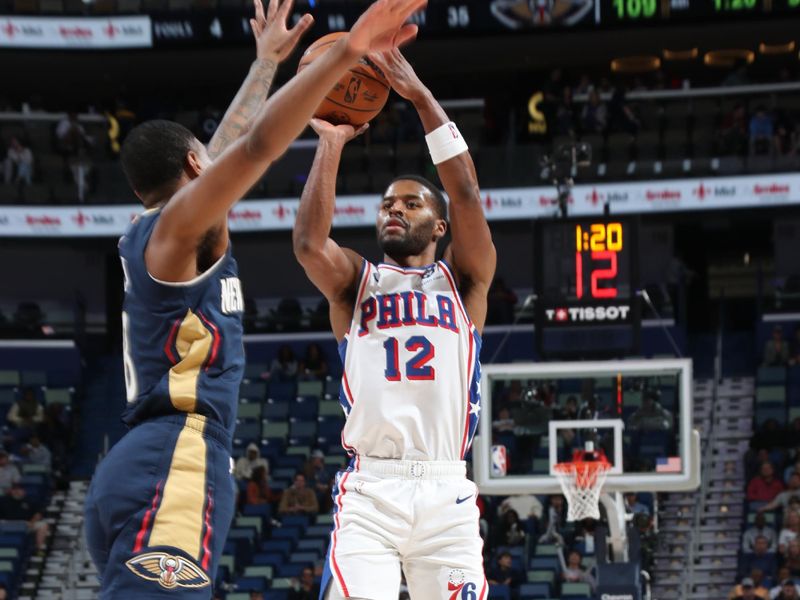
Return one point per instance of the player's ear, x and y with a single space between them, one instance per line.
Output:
440 229
194 164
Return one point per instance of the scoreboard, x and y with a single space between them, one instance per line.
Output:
586 279
458 18
497 16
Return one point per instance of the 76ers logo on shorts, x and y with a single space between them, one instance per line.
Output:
460 588
169 571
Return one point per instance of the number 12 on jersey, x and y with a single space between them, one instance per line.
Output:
417 367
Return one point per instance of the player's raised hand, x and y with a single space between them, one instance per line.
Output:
399 73
340 133
383 26
274 41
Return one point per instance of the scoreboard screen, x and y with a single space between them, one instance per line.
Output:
586 275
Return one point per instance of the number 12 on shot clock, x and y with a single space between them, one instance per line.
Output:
602 242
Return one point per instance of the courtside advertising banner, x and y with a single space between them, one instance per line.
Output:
502 204
75 33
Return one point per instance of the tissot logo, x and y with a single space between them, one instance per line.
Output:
617 196
582 314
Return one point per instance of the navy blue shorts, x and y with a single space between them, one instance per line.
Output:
159 509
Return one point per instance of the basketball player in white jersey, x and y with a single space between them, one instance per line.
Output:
409 332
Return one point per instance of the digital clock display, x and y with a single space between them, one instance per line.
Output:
586 278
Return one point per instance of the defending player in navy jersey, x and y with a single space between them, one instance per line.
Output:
409 334
160 504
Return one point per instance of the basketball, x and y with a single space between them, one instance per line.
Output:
358 96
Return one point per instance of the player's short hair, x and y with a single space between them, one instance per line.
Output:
438 196
154 154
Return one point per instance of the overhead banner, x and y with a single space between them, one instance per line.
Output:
502 204
75 33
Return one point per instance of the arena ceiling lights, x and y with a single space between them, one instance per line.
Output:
635 64
773 49
728 57
675 55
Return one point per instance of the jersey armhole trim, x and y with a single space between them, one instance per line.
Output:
451 280
199 279
366 269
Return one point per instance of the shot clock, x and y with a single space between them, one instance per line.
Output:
586 280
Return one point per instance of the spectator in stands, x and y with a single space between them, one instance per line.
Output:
527 506
789 590
746 590
320 479
595 114
504 573
18 163
510 531
566 122
74 144
256 595
783 575
501 302
776 351
17 507
783 499
760 558
258 491
250 461
633 506
71 136
9 474
762 132
284 366
759 528
314 365
648 539
794 356
790 470
764 487
792 557
38 453
304 588
503 423
790 531
299 498
756 580
651 416
733 131
555 521
3 592
620 116
571 569
26 413
785 134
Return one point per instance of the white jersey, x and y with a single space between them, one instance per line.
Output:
411 383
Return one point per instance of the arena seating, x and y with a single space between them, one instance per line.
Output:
16 545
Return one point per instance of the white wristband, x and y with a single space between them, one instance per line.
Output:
445 142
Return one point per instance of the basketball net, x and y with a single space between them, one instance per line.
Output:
582 481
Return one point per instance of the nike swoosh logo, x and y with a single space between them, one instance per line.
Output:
460 500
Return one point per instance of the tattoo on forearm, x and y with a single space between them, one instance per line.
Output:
245 105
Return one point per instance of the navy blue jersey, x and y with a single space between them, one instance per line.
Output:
182 342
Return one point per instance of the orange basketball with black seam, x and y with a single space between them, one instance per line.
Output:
358 96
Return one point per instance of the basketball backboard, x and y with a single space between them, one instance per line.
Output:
638 411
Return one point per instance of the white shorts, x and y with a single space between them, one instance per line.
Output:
422 516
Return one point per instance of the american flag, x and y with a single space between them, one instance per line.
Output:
671 464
